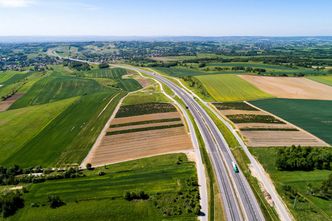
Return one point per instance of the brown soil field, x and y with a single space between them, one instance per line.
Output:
272 138
4 105
123 147
145 117
280 138
143 81
291 87
262 125
143 126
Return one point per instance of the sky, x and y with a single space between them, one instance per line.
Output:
165 17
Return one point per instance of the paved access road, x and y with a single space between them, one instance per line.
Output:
238 199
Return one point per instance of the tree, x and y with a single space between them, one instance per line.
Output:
55 201
103 65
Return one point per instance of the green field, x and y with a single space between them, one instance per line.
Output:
69 137
5 76
100 198
150 94
19 126
231 88
116 74
317 209
322 79
251 64
146 108
181 72
52 89
312 115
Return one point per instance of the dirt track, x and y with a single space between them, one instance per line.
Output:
291 87
4 105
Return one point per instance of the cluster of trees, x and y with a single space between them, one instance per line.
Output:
10 202
195 83
15 175
136 196
103 65
303 158
77 65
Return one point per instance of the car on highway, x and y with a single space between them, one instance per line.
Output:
235 168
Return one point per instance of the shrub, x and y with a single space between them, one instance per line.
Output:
55 201
89 166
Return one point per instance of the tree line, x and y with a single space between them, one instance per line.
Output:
303 158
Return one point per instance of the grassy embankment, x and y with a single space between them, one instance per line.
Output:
164 178
316 208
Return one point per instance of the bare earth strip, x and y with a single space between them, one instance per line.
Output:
280 138
291 87
143 126
4 105
264 125
123 147
145 117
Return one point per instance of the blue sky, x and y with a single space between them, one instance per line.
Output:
165 17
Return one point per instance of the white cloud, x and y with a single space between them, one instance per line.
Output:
15 3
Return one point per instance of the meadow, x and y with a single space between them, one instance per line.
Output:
64 134
322 79
116 74
19 126
52 89
315 208
311 115
228 88
163 178
68 138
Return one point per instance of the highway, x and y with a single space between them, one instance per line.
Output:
239 201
